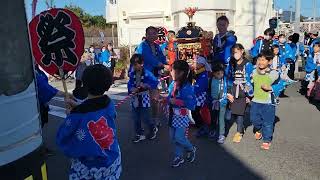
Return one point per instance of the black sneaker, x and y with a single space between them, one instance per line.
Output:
47 152
153 134
177 161
191 155
139 138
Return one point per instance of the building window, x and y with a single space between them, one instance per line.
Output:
219 14
113 1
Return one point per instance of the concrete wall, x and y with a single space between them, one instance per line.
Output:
111 12
178 5
135 16
248 18
251 19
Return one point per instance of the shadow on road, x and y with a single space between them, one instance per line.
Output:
303 91
150 160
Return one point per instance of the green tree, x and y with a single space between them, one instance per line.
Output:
100 22
86 19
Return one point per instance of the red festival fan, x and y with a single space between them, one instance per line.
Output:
57 41
162 35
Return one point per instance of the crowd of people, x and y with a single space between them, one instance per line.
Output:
104 55
209 95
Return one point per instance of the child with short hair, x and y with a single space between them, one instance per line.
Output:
263 44
278 66
181 99
88 134
141 81
262 112
218 92
287 56
240 89
276 63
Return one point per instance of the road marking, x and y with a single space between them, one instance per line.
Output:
57 111
112 96
61 112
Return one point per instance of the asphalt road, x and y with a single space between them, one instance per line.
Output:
294 154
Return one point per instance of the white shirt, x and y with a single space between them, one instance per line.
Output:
275 62
316 58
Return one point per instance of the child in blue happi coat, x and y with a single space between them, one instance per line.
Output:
263 44
240 88
140 82
287 56
200 85
218 92
279 64
276 62
181 99
313 65
88 134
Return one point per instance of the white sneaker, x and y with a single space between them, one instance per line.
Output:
139 138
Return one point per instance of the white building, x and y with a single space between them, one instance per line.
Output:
248 18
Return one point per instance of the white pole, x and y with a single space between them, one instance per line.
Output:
314 10
277 16
297 17
290 13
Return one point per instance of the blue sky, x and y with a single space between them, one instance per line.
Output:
93 7
306 6
97 7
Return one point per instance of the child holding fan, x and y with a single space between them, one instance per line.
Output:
88 135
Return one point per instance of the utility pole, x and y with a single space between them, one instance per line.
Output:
314 2
297 17
290 13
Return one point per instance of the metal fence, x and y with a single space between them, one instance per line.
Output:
97 40
287 28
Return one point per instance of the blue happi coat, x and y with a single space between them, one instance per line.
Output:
286 53
104 57
248 76
147 78
310 65
223 53
216 89
185 93
259 46
151 61
278 87
88 137
200 86
187 96
45 91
